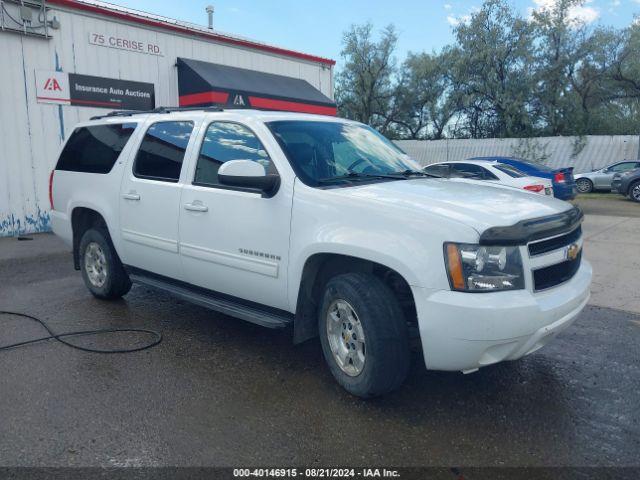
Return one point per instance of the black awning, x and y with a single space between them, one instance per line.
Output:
203 84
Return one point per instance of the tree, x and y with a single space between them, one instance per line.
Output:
619 109
590 78
626 64
426 98
505 76
493 71
556 53
365 89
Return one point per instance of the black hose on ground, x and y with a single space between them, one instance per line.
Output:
61 336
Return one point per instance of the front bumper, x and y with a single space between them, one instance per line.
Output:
466 331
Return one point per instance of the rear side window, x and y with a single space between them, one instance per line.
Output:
95 149
162 150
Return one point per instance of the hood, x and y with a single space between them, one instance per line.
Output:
469 202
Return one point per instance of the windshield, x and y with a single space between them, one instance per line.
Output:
321 151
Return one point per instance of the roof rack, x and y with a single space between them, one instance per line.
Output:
128 113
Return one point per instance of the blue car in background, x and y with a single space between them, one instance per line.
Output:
564 186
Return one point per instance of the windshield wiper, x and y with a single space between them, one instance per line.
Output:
415 173
359 176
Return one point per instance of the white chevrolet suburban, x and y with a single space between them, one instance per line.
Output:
319 224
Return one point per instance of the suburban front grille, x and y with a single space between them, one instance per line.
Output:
553 275
556 243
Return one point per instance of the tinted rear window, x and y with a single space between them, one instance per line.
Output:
511 171
95 149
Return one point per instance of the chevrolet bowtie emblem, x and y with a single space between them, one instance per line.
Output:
572 251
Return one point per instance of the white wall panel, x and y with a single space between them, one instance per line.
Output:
599 150
31 133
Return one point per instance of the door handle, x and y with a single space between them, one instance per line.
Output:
131 196
196 207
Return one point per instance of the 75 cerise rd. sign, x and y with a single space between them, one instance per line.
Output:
123 43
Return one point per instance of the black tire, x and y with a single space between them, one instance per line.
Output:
116 282
584 185
634 191
387 359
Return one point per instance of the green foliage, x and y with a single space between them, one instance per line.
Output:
364 87
505 76
493 72
426 101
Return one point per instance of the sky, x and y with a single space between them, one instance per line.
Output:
316 27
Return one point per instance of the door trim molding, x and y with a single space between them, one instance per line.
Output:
152 241
233 260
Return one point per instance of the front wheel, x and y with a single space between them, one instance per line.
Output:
102 271
634 192
584 185
364 335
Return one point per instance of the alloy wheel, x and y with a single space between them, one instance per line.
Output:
346 337
95 264
583 185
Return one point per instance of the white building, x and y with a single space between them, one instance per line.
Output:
69 60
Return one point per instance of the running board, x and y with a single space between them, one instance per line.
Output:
268 317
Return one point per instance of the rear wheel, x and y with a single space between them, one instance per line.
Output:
102 271
634 191
364 335
584 185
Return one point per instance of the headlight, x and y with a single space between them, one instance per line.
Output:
476 268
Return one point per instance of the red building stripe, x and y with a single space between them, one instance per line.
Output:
193 99
53 98
288 106
196 33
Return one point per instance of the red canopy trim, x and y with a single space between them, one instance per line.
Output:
272 104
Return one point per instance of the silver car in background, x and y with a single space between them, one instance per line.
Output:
601 179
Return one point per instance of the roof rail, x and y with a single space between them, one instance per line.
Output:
128 113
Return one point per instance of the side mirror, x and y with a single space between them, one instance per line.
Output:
248 174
